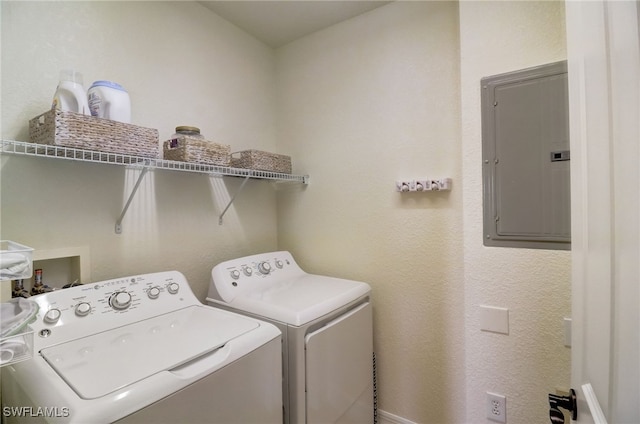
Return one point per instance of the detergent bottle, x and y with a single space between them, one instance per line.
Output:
109 100
70 93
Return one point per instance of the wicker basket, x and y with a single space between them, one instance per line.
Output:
263 161
69 129
188 149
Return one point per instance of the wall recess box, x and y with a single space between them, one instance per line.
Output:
62 266
59 267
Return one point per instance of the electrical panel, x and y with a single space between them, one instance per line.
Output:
525 149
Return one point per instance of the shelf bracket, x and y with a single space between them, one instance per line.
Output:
133 193
233 198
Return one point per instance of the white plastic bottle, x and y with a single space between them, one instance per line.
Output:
70 93
109 100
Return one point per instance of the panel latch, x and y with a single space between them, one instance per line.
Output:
560 155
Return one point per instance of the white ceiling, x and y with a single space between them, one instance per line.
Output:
277 23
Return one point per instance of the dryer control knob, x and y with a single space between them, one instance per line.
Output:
235 274
120 300
52 316
264 267
279 263
173 288
83 309
247 271
153 292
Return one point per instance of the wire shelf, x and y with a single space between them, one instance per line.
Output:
145 164
70 153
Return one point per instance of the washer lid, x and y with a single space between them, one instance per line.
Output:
104 362
300 300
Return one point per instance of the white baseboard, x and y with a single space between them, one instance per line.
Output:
388 418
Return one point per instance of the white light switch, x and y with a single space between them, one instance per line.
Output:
494 319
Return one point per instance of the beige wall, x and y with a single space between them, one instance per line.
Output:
182 65
361 105
391 94
530 362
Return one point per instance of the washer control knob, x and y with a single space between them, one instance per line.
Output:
279 264
247 271
52 316
173 288
83 309
120 300
153 292
264 267
235 274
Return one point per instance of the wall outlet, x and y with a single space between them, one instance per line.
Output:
496 407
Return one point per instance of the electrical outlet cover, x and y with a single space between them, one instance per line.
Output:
494 319
496 407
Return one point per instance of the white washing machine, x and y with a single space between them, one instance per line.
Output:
327 333
143 349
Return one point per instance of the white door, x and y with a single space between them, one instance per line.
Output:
604 95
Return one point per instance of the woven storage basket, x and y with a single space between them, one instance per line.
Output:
188 149
70 129
263 161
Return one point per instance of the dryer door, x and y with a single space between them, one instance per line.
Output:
339 369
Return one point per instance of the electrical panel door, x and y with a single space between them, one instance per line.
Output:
525 136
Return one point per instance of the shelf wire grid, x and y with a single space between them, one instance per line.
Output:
72 153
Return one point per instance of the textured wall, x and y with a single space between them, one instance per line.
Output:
390 94
182 65
375 99
497 37
362 104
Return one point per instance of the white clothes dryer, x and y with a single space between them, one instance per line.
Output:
327 332
143 349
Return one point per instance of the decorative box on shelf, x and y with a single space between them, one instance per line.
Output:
196 150
70 129
263 161
16 261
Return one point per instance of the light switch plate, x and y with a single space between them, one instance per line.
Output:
494 319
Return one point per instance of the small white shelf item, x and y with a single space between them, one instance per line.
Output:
16 337
16 260
423 185
16 348
146 164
